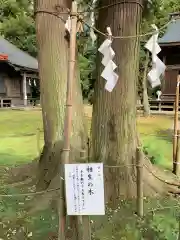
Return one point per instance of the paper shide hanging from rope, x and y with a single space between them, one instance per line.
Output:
158 67
108 73
68 24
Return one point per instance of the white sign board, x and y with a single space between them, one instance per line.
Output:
84 189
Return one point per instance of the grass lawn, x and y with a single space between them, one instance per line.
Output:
18 144
156 135
18 136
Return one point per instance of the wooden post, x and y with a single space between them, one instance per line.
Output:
1 103
24 89
176 125
85 220
179 231
178 218
68 119
139 166
87 228
176 164
159 105
71 75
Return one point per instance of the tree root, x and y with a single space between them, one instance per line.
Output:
19 184
156 182
48 199
22 173
39 203
162 181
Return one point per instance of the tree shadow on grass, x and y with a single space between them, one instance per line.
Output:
18 135
166 135
160 223
11 159
40 225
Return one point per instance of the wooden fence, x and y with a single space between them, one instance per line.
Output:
162 105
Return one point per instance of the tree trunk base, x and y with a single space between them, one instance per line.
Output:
156 182
24 173
50 163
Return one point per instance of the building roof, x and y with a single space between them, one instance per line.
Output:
17 57
172 34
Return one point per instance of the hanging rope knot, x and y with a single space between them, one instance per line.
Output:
73 14
66 149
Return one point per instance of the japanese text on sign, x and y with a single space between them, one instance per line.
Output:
84 189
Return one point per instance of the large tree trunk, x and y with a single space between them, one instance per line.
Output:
53 66
114 114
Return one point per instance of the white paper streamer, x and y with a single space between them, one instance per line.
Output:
108 54
112 82
68 24
109 69
158 67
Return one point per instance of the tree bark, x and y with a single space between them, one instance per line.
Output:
53 65
114 131
53 62
146 106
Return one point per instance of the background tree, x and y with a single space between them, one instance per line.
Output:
143 82
17 24
156 12
87 65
